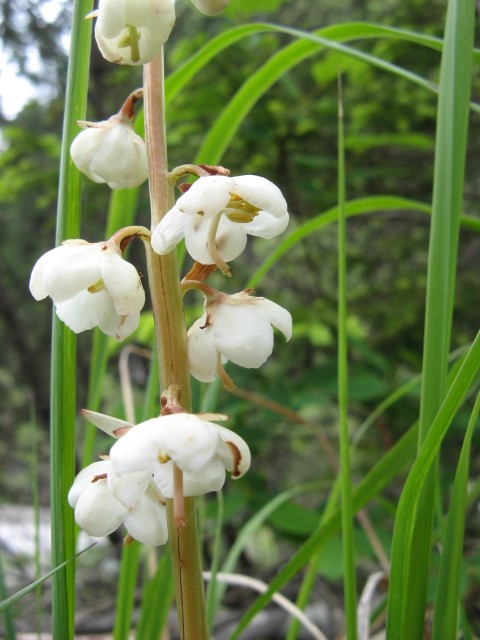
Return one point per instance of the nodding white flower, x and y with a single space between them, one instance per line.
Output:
99 511
216 214
111 152
237 328
201 449
133 31
91 285
211 7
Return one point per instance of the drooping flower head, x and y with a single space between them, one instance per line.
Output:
91 285
111 152
237 328
133 31
199 448
217 213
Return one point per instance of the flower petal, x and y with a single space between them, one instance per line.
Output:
202 352
169 231
85 477
261 193
207 196
122 282
275 314
265 225
210 478
147 521
109 425
230 239
242 335
236 457
128 487
97 511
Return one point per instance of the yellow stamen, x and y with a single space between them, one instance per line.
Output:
96 287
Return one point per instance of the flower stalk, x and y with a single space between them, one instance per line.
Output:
171 338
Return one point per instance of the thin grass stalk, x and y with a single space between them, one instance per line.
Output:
217 547
62 394
173 355
348 544
409 582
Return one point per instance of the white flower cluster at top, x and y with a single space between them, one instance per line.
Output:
92 285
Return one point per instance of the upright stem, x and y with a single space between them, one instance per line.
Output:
171 338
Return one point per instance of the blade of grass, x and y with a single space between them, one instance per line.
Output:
216 550
408 585
127 584
445 620
9 626
62 395
348 544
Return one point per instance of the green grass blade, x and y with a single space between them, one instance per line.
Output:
156 602
409 581
404 553
62 421
348 544
445 621
212 586
391 464
359 206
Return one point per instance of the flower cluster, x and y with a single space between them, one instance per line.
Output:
133 483
177 454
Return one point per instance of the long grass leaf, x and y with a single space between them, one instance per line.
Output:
445 620
410 565
156 602
348 544
62 395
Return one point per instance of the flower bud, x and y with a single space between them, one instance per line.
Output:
111 152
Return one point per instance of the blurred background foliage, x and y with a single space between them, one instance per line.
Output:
291 138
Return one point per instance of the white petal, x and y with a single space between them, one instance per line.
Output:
237 457
202 353
128 487
122 282
210 478
97 511
265 225
147 521
136 450
275 314
261 193
80 313
71 268
230 239
207 196
126 326
84 147
242 335
169 231
37 288
85 477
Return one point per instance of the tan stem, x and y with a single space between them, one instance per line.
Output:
213 249
173 356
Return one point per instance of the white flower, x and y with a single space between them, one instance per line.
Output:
91 285
201 449
211 7
99 511
133 31
111 152
236 328
216 214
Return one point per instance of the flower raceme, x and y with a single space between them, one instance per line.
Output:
111 152
217 213
91 285
131 485
133 31
237 328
